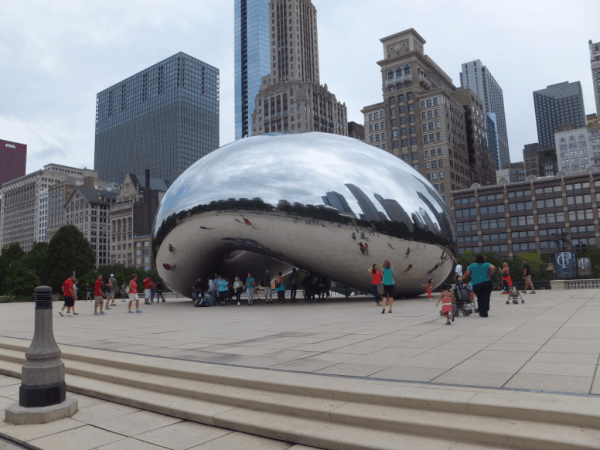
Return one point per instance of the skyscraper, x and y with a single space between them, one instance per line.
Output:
476 76
13 158
291 97
339 202
491 120
395 211
369 211
252 62
558 104
164 119
595 63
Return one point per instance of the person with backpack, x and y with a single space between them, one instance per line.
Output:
280 288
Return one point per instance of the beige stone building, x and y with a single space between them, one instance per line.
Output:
595 64
132 217
291 98
88 210
424 123
375 125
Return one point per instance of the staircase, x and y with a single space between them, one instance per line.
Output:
327 412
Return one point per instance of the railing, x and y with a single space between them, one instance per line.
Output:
576 284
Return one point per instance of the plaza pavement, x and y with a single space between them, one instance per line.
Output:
550 343
101 425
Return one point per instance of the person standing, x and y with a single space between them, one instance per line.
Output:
238 288
147 282
88 292
458 272
159 291
293 284
123 292
388 285
280 288
481 279
133 294
152 291
99 294
114 286
222 287
69 293
306 286
527 277
250 285
107 294
266 283
377 274
212 288
76 287
197 290
429 287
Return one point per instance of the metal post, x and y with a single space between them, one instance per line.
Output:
42 395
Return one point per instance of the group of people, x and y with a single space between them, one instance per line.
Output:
218 289
107 292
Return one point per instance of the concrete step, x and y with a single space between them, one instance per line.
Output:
327 412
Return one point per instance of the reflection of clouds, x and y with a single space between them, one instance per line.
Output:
300 168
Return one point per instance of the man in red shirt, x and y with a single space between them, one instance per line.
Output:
147 282
98 296
69 293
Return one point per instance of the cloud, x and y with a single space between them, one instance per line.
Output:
57 55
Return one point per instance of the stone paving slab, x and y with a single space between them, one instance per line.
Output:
549 343
101 425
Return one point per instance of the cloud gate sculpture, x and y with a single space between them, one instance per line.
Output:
328 204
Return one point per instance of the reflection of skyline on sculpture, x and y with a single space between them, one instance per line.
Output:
339 202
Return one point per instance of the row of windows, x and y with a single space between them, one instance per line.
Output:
401 99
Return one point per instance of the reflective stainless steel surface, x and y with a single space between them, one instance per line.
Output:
305 200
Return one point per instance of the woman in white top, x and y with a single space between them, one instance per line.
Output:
238 288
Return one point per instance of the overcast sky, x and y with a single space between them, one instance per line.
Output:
56 55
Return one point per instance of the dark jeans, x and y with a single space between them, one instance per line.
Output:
238 294
375 293
293 289
483 292
281 295
504 285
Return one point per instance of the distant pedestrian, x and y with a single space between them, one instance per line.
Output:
377 275
293 284
114 286
238 288
366 248
250 286
147 282
266 283
69 293
212 289
99 294
458 272
527 277
353 236
133 294
481 274
429 287
280 288
107 293
305 286
152 291
222 289
506 280
388 285
197 292
362 247
88 292
76 287
159 291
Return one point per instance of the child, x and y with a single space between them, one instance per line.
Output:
429 286
447 299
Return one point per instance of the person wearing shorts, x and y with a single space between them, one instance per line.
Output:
527 277
107 294
147 282
266 283
388 285
98 296
113 286
69 293
133 295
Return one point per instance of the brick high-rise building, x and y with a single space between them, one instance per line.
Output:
291 97
595 64
13 157
423 123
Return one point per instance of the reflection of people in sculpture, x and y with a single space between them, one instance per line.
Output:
407 252
362 247
440 262
390 246
172 249
168 266
366 248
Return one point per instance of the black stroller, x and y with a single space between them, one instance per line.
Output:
464 301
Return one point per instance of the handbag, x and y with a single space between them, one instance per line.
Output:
127 290
380 289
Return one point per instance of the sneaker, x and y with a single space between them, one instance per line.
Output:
107 307
130 312
524 292
70 314
61 313
137 311
95 313
102 312
76 314
532 292
114 304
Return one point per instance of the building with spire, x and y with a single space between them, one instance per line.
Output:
291 98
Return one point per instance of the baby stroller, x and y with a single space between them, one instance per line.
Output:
514 295
464 301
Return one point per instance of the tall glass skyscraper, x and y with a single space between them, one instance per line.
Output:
252 43
164 119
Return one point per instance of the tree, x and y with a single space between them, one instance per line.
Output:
68 251
9 258
37 260
21 282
